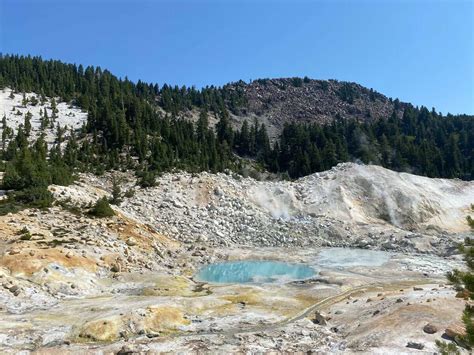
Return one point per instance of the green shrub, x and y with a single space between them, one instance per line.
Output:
7 206
147 179
129 193
470 221
38 197
61 175
33 197
102 209
24 230
26 236
447 348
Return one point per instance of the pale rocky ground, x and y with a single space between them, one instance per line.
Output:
68 116
76 284
103 285
350 205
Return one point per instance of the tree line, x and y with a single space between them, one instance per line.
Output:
422 142
126 130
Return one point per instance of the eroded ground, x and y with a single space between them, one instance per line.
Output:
365 308
71 283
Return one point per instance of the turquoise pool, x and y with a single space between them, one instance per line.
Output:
248 271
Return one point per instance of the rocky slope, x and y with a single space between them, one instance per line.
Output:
276 101
351 204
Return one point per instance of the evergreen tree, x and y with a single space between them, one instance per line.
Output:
202 126
116 191
223 128
124 125
243 145
27 125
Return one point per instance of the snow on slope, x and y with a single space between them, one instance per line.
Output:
68 116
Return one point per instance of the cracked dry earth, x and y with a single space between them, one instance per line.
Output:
75 284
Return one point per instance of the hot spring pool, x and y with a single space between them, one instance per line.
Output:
253 271
247 271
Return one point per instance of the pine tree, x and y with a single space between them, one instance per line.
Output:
453 157
244 139
27 126
202 126
223 129
116 191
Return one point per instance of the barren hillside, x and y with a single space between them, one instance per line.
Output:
276 101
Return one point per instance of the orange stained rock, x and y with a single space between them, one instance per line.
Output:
27 264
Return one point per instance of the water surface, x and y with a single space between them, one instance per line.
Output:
247 271
339 258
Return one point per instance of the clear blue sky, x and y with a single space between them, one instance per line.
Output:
421 51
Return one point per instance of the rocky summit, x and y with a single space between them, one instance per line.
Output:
279 101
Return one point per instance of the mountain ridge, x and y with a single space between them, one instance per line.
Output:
282 124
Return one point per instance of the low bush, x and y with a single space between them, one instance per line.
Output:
37 197
470 221
102 209
129 193
147 179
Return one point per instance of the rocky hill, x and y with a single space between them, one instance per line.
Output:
367 206
276 101
350 205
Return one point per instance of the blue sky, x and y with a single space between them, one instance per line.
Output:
421 51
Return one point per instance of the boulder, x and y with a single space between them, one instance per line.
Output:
126 350
320 318
131 242
455 330
414 345
116 268
463 294
430 328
